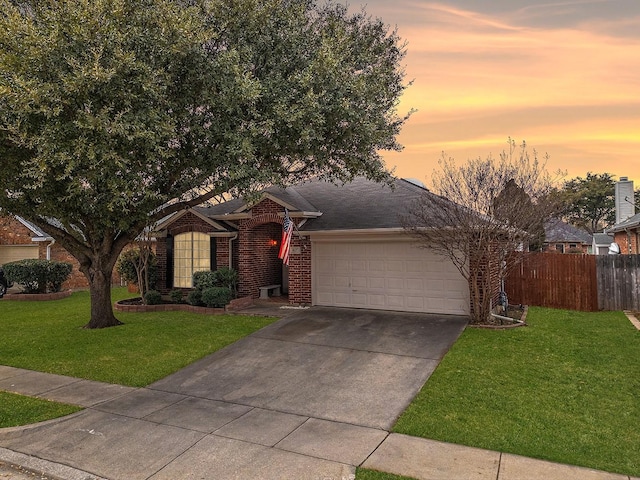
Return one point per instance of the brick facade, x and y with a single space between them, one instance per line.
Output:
14 232
186 223
300 271
567 247
254 252
629 242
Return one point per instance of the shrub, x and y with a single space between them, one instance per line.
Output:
176 296
58 273
129 262
153 297
216 296
38 276
204 279
227 277
223 277
195 298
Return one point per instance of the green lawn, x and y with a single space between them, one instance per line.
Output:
365 474
48 337
18 410
566 389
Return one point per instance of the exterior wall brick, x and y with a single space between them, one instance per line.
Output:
186 223
629 242
13 232
566 247
300 271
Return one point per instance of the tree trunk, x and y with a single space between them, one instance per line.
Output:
101 308
480 297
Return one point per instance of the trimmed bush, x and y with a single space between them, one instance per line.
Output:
153 297
58 273
204 279
176 296
216 296
195 298
223 277
228 277
38 276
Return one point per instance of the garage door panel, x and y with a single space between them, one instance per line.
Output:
388 276
375 266
395 283
395 266
359 265
359 282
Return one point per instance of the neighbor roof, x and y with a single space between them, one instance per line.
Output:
556 230
602 239
631 222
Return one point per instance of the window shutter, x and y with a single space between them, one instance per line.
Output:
213 248
169 279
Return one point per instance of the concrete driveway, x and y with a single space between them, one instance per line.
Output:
310 396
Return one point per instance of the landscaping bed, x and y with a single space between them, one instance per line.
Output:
136 305
37 297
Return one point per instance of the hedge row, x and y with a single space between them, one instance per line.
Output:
38 276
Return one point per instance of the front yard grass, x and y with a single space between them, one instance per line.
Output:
18 409
48 337
563 389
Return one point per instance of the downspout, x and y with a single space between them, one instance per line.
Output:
231 239
49 248
628 240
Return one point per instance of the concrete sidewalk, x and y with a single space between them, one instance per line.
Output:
311 396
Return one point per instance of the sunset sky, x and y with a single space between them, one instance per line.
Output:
562 75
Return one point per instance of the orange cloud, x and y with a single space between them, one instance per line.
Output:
479 78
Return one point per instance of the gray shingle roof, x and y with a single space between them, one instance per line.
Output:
631 222
558 231
360 204
602 238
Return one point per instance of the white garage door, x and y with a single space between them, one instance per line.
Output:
386 276
11 253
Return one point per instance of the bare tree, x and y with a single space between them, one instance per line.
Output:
483 216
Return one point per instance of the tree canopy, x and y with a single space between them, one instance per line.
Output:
114 113
589 202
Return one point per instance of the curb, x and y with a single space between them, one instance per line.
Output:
56 471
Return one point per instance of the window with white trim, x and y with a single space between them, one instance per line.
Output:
191 253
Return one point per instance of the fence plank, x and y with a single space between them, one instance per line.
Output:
556 281
619 282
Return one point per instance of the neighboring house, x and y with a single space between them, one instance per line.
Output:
626 231
560 237
627 235
20 239
601 243
348 249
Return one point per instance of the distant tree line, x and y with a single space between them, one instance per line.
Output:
589 202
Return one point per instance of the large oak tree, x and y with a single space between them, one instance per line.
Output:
116 113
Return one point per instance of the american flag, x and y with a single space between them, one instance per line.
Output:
287 231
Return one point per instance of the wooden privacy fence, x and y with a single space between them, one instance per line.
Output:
618 282
556 281
576 282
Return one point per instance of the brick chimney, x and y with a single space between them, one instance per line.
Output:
625 206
